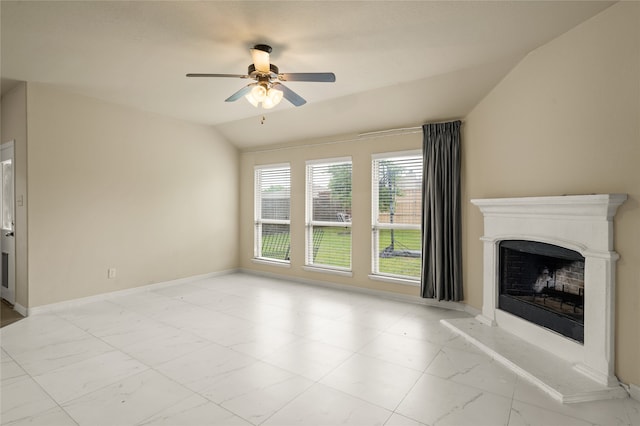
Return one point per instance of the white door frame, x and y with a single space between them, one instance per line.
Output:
8 235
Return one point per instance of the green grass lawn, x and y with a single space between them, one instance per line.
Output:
275 245
405 239
334 249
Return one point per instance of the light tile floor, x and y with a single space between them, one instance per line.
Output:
243 350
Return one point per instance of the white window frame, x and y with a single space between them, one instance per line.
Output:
259 221
377 226
310 265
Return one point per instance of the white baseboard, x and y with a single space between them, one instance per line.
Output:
456 306
20 309
634 391
37 310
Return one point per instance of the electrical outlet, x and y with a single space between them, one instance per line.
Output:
111 273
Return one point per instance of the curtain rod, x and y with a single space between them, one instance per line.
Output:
361 136
399 130
403 130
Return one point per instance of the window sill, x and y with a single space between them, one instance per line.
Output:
271 262
340 272
395 280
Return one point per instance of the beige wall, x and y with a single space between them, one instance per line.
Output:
566 120
14 127
109 186
360 151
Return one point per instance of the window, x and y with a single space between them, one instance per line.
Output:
272 206
396 214
328 214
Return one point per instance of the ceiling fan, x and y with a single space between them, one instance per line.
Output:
267 88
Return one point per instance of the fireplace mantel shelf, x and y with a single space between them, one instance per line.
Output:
597 206
583 223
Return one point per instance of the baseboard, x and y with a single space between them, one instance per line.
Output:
37 310
456 306
20 309
634 391
471 310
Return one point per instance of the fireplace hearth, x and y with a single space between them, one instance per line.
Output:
544 284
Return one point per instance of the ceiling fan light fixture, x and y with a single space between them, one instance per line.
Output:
259 92
274 96
267 77
260 56
252 100
267 97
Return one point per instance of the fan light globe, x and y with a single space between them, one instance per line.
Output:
252 100
259 93
273 98
267 104
275 95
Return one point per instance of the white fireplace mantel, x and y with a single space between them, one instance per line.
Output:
583 223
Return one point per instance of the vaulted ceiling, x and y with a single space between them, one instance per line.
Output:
397 63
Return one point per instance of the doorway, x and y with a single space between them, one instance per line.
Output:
7 222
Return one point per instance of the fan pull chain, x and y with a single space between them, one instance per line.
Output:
263 119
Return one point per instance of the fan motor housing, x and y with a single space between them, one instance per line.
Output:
263 47
252 70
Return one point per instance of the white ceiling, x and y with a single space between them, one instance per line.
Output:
397 63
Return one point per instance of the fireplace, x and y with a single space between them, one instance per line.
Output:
544 284
576 241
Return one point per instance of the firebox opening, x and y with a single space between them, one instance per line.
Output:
544 284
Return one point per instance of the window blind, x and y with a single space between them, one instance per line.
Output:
328 233
396 214
272 212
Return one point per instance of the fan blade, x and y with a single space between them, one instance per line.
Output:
323 77
240 93
218 75
290 95
261 60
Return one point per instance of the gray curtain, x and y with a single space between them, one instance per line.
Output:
441 215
